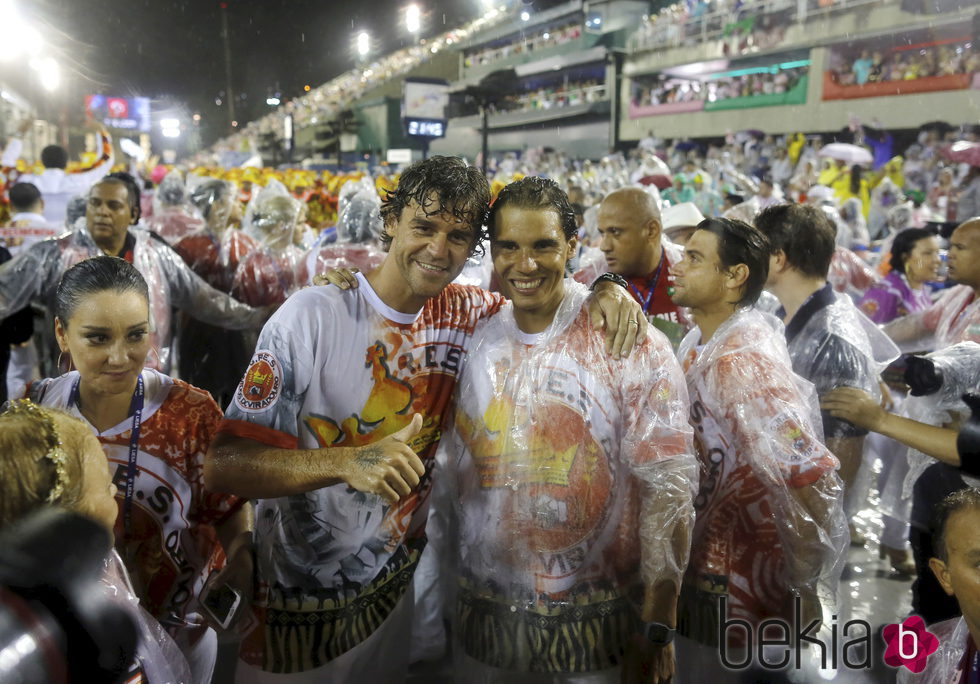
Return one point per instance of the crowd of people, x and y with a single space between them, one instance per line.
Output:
880 66
742 27
539 40
670 90
448 439
568 94
326 102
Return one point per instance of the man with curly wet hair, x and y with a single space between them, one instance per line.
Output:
334 429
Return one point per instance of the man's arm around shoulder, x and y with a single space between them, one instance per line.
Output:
255 470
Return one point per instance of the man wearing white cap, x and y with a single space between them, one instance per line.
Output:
680 221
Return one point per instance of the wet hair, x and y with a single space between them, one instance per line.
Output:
803 233
533 192
132 189
208 193
29 477
89 277
439 184
23 196
955 502
904 243
741 243
54 157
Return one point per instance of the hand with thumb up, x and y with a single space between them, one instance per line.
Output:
389 467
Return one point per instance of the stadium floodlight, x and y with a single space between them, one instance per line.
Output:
413 18
49 73
272 101
363 43
525 15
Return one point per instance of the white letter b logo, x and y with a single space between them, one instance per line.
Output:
902 633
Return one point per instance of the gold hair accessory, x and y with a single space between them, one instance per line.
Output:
55 451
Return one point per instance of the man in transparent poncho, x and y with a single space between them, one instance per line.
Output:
574 472
770 529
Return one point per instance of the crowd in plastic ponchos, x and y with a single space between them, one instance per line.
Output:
260 235
877 66
669 91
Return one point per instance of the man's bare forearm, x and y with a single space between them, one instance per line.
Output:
938 442
253 470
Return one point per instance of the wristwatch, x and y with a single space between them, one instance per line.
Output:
611 277
657 633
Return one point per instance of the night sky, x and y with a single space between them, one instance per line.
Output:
171 50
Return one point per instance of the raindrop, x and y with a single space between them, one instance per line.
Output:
302 37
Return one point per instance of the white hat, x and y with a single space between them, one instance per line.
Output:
820 193
683 215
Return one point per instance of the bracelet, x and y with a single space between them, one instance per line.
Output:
611 277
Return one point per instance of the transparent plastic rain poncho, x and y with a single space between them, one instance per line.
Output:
769 510
209 357
157 654
575 476
959 368
34 276
173 215
946 665
850 274
851 214
478 269
358 227
275 267
841 347
744 211
885 196
216 250
953 318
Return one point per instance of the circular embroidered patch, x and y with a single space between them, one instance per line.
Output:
260 387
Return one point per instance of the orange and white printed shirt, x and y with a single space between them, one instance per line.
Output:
341 368
172 547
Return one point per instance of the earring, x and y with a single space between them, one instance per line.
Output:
61 368
156 364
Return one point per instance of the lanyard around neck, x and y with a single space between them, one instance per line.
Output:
136 410
651 285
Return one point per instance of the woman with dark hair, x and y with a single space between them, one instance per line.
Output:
154 431
914 262
854 185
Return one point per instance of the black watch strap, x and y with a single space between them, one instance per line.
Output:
611 277
657 633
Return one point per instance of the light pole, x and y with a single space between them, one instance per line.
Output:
224 36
